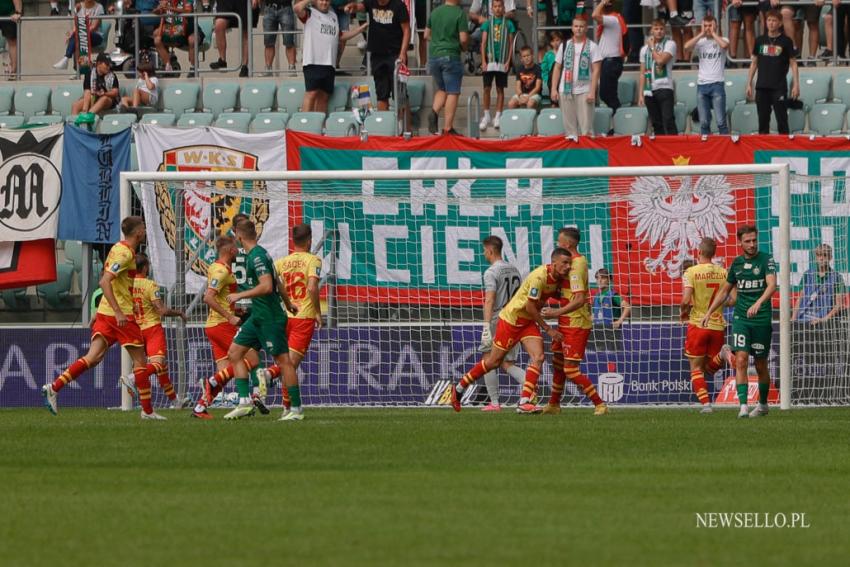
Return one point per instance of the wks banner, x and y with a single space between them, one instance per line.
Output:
204 212
419 241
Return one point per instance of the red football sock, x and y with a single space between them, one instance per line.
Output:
474 374
532 375
143 384
699 386
274 371
583 382
72 373
558 380
165 383
287 401
714 364
222 377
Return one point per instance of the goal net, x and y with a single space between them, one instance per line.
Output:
402 265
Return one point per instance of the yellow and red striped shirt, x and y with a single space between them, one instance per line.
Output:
145 292
295 272
539 286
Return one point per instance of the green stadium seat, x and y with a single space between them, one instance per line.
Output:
43 120
550 122
195 120
602 120
6 96
74 254
113 123
340 98
257 97
517 122
340 124
64 97
626 88
32 100
686 91
311 122
206 26
15 299
159 119
736 90
180 97
290 95
681 118
236 121
415 94
827 118
630 120
269 122
57 294
841 87
814 87
744 119
220 97
11 121
381 123
796 122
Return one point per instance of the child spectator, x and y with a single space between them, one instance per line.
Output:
574 80
447 34
100 88
710 48
496 47
91 10
146 92
772 56
609 308
529 83
548 62
655 82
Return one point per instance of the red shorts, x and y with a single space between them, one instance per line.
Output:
107 327
575 341
299 333
508 335
154 341
221 337
703 342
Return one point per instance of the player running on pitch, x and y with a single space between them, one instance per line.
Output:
574 323
754 275
114 322
520 321
149 311
704 346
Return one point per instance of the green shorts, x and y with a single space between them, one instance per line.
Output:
754 339
263 335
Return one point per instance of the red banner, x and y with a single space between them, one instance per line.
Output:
28 263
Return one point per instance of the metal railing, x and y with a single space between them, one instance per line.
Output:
472 118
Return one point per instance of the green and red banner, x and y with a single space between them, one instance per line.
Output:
416 241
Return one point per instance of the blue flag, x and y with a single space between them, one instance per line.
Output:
91 164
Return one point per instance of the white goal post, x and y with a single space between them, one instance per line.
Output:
569 194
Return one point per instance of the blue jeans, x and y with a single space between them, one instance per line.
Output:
447 73
712 97
702 7
71 47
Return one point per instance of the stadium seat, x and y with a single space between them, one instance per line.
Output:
6 96
236 121
630 120
744 119
796 122
32 100
63 97
626 88
134 157
178 98
195 120
269 122
550 122
311 122
74 254
814 87
257 97
15 299
340 97
11 121
517 122
416 95
43 120
112 123
290 96
827 118
736 90
841 87
686 91
681 118
602 120
220 97
381 123
340 124
159 119
105 29
56 294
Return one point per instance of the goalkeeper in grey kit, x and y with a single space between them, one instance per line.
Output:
501 280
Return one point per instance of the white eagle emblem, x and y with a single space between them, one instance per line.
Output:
679 219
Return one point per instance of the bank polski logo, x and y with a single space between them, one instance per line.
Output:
611 386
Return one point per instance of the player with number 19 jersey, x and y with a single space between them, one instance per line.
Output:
705 280
749 276
295 272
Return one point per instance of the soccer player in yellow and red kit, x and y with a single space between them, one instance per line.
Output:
222 324
148 311
115 322
574 323
521 321
299 273
703 344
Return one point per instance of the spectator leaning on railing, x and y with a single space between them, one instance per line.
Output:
11 9
278 15
92 10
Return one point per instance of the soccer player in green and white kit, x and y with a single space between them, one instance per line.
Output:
754 275
265 328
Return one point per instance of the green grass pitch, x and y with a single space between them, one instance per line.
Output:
421 487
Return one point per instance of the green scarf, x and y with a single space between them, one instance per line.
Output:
583 65
653 71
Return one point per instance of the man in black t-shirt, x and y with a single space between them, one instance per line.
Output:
100 88
389 37
773 54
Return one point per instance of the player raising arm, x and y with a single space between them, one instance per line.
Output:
520 321
754 275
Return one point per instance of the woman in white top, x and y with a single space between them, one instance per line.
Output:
146 92
90 9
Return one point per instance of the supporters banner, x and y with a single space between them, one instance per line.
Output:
206 214
90 208
387 242
30 183
27 263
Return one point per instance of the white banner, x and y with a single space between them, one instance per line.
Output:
207 214
30 183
